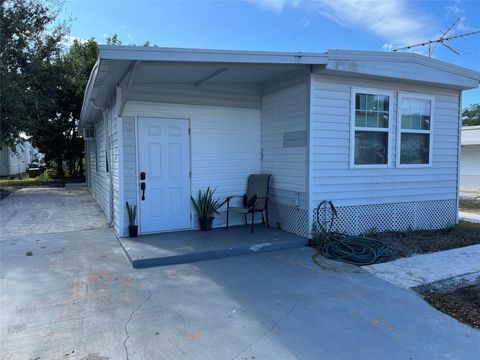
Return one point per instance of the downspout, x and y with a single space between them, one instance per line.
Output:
459 154
104 111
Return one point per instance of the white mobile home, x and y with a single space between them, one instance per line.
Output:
470 159
377 133
15 161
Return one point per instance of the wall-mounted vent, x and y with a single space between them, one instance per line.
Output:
88 133
295 139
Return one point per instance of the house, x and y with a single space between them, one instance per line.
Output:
470 159
378 133
15 161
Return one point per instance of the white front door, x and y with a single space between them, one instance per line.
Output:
164 158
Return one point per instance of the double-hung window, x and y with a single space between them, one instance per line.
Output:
370 138
414 142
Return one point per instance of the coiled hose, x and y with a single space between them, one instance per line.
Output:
356 250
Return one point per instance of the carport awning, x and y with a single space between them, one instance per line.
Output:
132 66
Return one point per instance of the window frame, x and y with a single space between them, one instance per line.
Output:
421 96
371 91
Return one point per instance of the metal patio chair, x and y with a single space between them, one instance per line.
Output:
255 200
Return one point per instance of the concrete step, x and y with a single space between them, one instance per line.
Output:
190 246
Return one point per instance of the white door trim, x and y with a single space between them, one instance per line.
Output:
138 122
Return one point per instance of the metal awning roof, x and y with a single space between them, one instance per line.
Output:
134 65
471 135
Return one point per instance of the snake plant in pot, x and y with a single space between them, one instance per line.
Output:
206 207
132 218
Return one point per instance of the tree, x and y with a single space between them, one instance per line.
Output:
56 134
471 115
29 42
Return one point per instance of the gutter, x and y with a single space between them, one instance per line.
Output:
91 81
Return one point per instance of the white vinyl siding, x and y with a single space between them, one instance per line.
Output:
224 145
114 169
332 178
105 145
285 116
99 178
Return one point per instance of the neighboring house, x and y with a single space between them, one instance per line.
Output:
376 132
470 161
16 161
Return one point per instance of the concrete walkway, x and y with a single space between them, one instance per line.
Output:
49 210
469 216
74 295
428 268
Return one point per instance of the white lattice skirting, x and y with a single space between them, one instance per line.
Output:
424 215
288 218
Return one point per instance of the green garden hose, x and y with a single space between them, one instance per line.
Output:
356 250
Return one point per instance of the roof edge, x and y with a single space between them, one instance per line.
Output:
143 53
336 54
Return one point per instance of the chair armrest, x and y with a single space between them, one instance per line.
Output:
231 197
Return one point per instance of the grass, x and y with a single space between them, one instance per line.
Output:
44 179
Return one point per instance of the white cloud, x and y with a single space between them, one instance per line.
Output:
276 5
395 21
69 39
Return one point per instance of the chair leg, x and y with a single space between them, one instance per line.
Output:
245 217
253 220
263 218
266 215
227 218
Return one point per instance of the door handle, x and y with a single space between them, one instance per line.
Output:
143 187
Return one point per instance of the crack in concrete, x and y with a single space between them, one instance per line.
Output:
130 319
266 332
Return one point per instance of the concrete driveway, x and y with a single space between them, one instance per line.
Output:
49 210
77 297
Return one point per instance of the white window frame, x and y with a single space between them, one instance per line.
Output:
420 96
353 128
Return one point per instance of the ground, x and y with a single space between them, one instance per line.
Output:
410 243
461 302
67 293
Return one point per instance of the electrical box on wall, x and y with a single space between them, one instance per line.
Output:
88 133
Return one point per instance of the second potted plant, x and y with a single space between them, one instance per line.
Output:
207 207
132 218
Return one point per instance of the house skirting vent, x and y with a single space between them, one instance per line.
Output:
422 215
289 218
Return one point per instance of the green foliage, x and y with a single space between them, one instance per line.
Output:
31 39
113 40
132 214
45 176
471 115
205 205
318 238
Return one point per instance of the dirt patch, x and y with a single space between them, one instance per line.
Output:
409 243
462 303
470 205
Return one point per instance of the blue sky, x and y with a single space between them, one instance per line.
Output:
284 25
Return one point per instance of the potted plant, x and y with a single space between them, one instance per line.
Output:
207 207
132 217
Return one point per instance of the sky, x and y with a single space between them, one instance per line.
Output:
285 25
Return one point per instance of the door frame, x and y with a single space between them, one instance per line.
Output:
137 168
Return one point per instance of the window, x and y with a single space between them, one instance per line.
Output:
371 114
415 127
